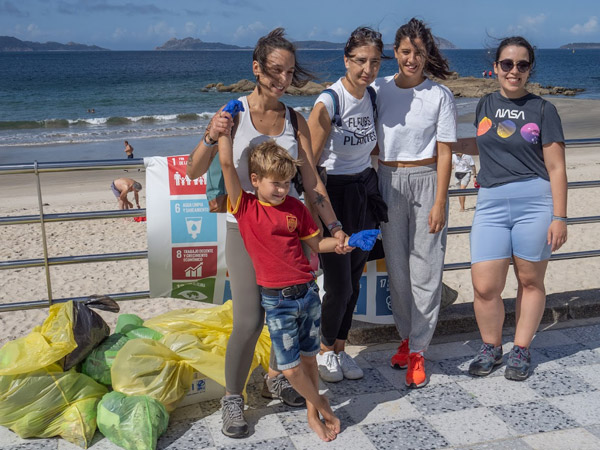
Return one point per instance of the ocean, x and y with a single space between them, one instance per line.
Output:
65 106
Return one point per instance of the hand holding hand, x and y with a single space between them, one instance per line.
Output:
365 240
341 248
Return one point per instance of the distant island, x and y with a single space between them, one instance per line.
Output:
12 44
190 43
582 45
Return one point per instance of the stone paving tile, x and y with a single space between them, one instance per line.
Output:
441 398
40 444
571 355
594 429
533 417
470 426
491 391
458 368
379 407
414 434
583 335
352 438
507 444
577 439
9 438
279 443
186 434
373 381
584 408
449 350
551 338
552 383
99 442
295 422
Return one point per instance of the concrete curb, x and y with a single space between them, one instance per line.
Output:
460 318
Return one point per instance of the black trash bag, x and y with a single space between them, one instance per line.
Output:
89 328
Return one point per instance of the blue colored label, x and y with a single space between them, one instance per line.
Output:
383 306
361 303
191 221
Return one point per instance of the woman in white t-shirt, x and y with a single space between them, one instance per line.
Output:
415 128
342 129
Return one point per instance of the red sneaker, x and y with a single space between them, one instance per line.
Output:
415 375
400 359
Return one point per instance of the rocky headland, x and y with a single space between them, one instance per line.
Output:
460 86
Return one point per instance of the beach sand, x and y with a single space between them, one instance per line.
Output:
90 191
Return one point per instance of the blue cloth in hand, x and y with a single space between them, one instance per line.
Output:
365 239
233 107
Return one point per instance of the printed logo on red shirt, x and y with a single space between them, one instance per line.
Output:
292 222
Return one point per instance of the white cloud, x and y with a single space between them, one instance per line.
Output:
27 32
590 26
340 32
190 29
254 30
162 29
314 32
534 20
119 33
206 30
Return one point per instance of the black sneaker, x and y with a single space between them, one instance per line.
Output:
280 388
517 364
234 424
485 361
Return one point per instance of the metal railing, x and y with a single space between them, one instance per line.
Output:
37 168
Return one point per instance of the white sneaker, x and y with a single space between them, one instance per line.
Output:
350 369
329 367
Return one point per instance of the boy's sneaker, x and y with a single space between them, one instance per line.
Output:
485 361
329 367
517 364
234 424
350 369
400 359
280 388
415 375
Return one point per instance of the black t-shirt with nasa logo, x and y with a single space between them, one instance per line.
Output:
511 134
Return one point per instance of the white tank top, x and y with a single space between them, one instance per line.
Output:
247 137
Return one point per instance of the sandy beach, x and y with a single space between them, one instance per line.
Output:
89 191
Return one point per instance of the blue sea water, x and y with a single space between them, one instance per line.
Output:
157 100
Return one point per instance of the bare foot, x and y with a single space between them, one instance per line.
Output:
324 432
331 420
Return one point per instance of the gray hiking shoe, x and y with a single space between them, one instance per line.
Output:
517 364
280 388
234 424
485 361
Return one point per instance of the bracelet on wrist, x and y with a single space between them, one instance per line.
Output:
208 141
559 218
333 225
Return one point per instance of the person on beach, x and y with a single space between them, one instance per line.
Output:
521 211
273 225
121 187
343 148
464 167
128 150
416 126
264 117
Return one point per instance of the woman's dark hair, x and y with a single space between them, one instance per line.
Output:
276 40
363 36
435 63
519 42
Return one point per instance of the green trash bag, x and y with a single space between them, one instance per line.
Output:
98 363
133 327
132 422
49 402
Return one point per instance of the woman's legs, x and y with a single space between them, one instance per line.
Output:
489 278
531 299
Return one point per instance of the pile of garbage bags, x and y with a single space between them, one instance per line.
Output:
70 376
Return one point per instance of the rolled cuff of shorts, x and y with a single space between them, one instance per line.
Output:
309 354
290 365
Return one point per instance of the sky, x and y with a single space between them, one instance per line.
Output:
146 24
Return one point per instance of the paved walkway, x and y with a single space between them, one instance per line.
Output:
556 408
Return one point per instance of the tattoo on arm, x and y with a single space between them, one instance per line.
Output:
319 199
190 158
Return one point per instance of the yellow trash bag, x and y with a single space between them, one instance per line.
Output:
49 402
46 344
212 327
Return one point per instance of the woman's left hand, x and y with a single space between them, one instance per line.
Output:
341 248
557 234
437 219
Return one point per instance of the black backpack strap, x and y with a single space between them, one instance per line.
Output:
373 96
336 119
293 121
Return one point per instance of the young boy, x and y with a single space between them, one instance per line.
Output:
272 225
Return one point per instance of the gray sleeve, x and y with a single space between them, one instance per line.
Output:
551 125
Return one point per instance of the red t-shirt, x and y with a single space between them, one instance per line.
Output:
272 235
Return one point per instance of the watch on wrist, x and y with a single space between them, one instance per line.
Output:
208 141
332 225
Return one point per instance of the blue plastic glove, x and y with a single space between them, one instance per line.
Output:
233 107
365 239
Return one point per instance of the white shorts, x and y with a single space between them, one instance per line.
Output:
464 181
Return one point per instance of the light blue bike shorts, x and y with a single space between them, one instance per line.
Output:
512 219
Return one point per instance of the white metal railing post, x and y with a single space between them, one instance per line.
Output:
43 226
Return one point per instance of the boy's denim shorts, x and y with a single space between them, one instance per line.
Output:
293 325
512 219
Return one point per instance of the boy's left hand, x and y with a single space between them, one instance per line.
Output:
365 240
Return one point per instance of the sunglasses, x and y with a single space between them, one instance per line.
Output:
507 65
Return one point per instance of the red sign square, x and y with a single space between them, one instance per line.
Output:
179 182
193 263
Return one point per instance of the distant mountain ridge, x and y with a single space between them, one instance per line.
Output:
190 43
12 44
581 45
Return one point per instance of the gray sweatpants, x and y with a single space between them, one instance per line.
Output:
414 257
